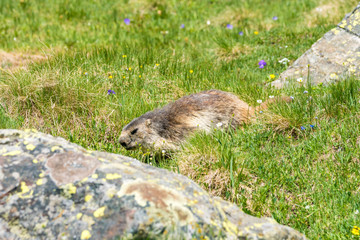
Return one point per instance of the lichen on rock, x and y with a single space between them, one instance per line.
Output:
58 190
333 57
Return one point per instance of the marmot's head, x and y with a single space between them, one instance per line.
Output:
138 133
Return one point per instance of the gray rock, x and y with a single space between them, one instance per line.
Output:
335 56
53 189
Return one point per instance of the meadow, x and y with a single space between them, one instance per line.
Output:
297 162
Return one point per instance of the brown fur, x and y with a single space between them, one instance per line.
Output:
165 128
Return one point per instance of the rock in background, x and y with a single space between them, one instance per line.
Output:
53 189
334 56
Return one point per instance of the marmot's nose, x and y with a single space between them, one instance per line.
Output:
123 144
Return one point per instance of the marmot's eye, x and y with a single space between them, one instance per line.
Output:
134 131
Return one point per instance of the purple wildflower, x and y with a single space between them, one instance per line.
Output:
229 26
312 126
127 21
182 26
305 91
302 128
241 33
262 64
109 92
275 18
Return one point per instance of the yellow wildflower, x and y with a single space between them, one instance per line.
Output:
85 234
356 230
256 32
272 76
191 71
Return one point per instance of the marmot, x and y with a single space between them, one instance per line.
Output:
166 128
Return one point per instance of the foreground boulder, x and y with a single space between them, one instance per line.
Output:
336 55
53 189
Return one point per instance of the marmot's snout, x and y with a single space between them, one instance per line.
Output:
125 142
122 142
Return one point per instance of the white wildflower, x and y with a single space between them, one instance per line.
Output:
356 212
219 124
208 22
271 96
300 80
259 101
284 61
307 207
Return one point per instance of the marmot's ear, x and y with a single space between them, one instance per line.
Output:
147 122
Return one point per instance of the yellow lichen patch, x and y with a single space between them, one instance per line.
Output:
335 31
88 219
102 159
87 198
24 188
99 212
42 175
13 153
192 202
95 176
30 147
199 212
85 234
230 227
40 181
111 192
69 189
78 216
162 200
84 180
35 161
258 225
112 176
25 191
54 148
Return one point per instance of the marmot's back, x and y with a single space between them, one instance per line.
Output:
164 128
207 109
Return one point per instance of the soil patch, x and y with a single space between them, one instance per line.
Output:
17 60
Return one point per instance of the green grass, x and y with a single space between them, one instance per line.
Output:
307 179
